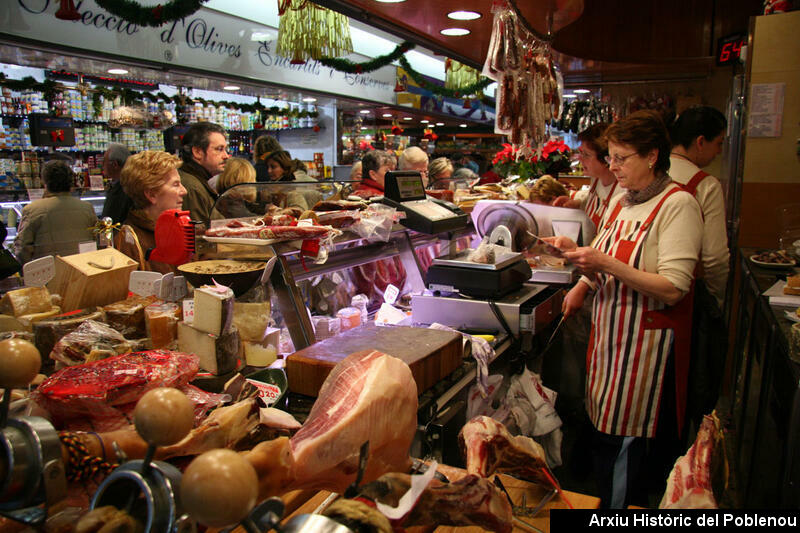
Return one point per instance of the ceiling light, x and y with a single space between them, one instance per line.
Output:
462 125
387 115
406 118
390 1
231 88
581 91
440 123
309 99
363 128
464 15
425 121
364 111
454 32
570 96
117 71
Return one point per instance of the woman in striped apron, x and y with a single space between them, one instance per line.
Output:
640 266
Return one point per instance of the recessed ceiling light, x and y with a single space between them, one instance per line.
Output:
363 128
570 96
425 121
364 111
390 1
454 32
387 115
581 91
462 125
464 15
406 118
309 99
117 71
231 88
440 123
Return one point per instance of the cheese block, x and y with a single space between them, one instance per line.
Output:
47 332
26 301
252 320
9 323
262 353
213 309
127 316
37 317
218 353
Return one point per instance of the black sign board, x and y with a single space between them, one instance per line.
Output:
49 130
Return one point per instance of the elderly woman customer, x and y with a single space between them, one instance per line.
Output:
152 181
640 268
55 224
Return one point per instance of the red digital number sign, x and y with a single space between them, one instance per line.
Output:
729 48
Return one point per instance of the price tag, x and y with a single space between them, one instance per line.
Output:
390 294
39 271
96 182
165 290
337 278
88 246
266 391
35 194
142 282
305 222
268 269
179 289
188 310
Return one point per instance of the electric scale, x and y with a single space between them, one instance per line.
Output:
403 190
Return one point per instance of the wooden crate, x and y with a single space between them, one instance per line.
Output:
92 278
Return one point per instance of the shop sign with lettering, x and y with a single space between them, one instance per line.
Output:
207 40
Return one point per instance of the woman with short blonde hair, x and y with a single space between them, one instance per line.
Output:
237 170
440 168
146 171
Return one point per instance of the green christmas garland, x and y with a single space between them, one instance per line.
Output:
459 92
345 65
154 16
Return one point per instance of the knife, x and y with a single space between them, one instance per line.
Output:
553 335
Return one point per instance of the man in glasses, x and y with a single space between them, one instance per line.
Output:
204 152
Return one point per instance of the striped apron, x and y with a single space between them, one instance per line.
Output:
631 338
595 207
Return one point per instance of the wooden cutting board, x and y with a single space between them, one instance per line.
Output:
431 354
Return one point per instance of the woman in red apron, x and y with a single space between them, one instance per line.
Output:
592 153
640 266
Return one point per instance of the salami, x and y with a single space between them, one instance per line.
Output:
288 233
338 205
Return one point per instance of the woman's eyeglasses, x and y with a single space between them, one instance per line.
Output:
618 160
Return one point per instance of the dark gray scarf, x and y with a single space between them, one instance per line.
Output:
652 190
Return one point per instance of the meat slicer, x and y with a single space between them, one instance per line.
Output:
32 473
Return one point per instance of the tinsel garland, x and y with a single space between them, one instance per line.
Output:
345 65
458 92
308 31
457 74
154 16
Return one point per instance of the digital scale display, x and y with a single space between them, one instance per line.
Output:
410 187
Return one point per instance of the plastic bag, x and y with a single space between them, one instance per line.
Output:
100 395
203 401
91 341
376 222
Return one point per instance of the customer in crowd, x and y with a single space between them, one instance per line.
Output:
355 172
204 152
391 160
374 166
545 190
414 158
282 168
263 146
56 223
117 203
153 182
440 170
240 201
640 266
592 154
697 135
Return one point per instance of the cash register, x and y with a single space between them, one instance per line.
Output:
404 191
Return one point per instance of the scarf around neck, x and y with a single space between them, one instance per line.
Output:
652 190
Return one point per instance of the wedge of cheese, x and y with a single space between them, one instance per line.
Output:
218 354
26 301
262 353
213 309
252 320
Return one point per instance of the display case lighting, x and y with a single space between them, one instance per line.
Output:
581 91
570 96
464 15
455 32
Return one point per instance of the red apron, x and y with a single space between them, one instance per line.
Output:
595 207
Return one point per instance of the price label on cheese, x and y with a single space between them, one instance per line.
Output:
165 289
390 294
179 289
88 246
266 391
188 310
38 272
96 183
142 282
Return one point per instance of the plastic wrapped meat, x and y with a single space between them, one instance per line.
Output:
92 341
99 394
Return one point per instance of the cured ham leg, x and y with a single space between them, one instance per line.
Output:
689 484
488 447
470 501
369 396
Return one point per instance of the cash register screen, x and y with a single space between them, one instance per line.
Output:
410 187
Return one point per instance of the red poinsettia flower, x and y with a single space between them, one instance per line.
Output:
506 154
